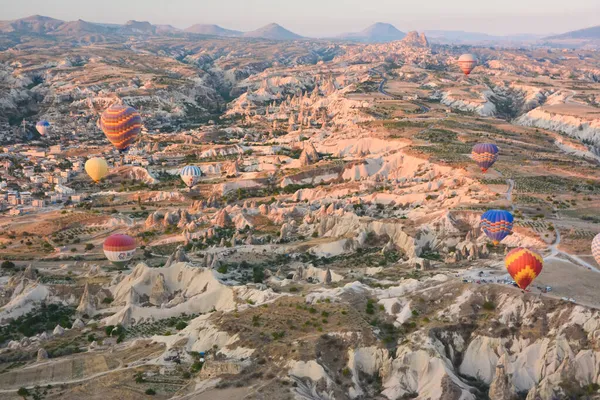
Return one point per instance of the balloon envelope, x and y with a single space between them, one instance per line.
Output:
121 124
497 224
42 127
190 175
596 248
485 155
524 265
467 62
96 168
119 249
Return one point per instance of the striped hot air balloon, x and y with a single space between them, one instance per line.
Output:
524 265
43 127
596 248
467 62
119 249
96 168
497 224
121 124
190 175
485 155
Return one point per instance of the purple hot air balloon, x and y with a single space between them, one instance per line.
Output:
485 155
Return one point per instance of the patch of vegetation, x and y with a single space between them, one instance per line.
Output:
41 319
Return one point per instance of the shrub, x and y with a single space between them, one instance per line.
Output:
7 265
89 246
489 306
180 325
150 392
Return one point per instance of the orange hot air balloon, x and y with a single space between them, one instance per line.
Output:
524 265
467 62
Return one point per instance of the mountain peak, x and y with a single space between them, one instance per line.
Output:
376 33
273 31
213 30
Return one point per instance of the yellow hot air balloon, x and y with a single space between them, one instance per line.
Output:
96 168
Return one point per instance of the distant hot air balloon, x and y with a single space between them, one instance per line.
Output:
524 265
121 124
190 175
497 224
119 249
43 127
485 155
596 248
467 62
96 168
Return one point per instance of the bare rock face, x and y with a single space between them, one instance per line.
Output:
415 39
29 273
286 231
78 324
171 218
42 355
154 218
222 219
309 154
263 209
58 331
502 387
86 304
160 293
328 276
179 256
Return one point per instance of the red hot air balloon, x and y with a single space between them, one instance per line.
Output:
524 265
121 124
467 62
119 249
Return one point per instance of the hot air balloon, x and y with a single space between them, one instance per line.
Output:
524 265
467 62
190 175
119 249
121 124
43 127
485 155
96 168
596 248
497 224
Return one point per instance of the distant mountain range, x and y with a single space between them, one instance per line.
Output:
587 33
49 26
462 37
377 33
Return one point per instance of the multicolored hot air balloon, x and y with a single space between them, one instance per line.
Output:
497 224
96 168
119 249
596 248
524 265
121 124
485 155
467 62
43 127
190 175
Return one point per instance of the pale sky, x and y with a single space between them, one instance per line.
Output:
327 17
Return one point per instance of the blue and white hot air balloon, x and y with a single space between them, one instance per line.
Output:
190 175
43 127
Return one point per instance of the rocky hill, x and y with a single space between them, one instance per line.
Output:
377 33
272 32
